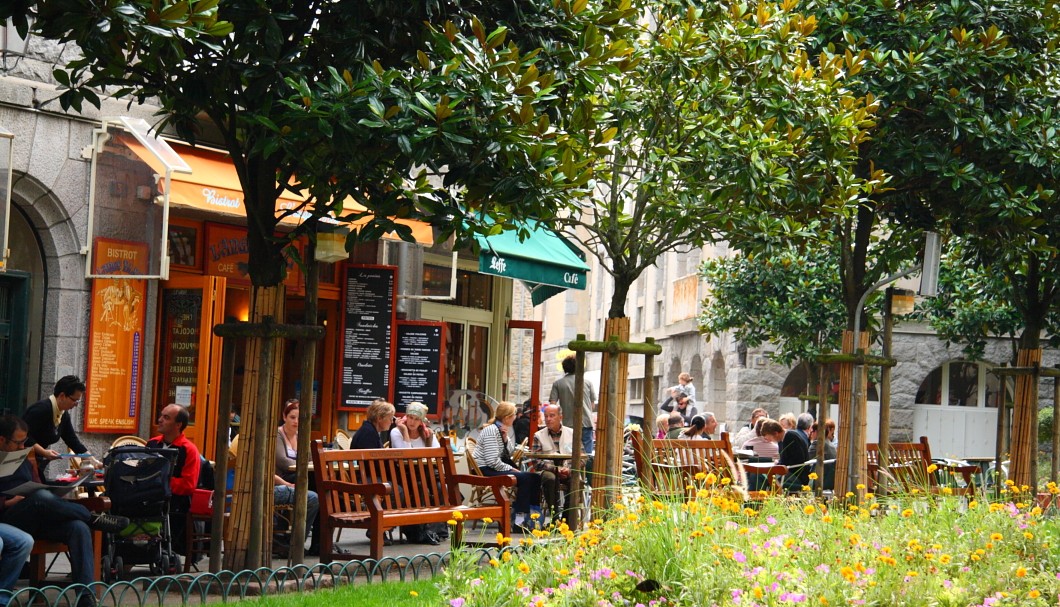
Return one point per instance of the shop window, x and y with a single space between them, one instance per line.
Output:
473 290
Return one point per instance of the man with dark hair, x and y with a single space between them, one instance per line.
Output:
795 450
171 424
562 394
45 515
49 420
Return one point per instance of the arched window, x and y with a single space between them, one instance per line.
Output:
964 384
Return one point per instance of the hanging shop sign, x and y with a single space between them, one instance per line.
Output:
116 337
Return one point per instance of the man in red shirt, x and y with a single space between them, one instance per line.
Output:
171 424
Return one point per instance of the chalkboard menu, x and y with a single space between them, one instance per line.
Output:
368 325
420 352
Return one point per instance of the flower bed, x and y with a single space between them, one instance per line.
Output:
908 550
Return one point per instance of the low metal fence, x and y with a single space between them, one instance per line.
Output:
224 586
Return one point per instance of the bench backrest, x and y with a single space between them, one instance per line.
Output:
660 460
419 478
907 462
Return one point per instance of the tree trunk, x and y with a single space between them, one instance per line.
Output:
618 300
249 537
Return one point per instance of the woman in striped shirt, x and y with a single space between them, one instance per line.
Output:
496 443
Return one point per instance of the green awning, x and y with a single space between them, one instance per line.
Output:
545 261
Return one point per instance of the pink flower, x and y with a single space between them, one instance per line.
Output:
739 557
457 602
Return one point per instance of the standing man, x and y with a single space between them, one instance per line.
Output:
563 394
171 424
49 420
554 438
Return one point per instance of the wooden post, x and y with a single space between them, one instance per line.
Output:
577 471
308 350
649 392
999 445
885 377
1056 429
220 472
851 463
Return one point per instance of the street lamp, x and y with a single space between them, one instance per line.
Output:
11 43
7 141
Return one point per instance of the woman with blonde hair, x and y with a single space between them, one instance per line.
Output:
496 443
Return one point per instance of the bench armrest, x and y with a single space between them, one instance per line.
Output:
356 488
503 480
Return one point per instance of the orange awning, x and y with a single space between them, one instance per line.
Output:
213 186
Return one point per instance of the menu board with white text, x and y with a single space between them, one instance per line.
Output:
420 352
369 318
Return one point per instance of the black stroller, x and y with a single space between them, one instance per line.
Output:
137 483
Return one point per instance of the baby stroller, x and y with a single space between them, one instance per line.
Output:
137 483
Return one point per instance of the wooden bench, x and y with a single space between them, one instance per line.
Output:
667 466
907 465
379 489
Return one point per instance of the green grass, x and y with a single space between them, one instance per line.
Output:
390 594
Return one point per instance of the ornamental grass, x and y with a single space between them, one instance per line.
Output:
716 549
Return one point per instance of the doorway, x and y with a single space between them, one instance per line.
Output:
14 318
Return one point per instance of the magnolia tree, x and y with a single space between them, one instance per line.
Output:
346 99
968 98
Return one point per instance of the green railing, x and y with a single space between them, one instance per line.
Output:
225 586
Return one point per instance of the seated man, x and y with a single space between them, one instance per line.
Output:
15 546
677 424
552 439
45 515
171 424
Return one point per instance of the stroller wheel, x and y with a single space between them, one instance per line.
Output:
108 573
119 568
174 564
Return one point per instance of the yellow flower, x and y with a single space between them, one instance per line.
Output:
758 593
813 476
1021 572
1033 594
996 537
523 567
458 515
617 548
533 516
945 559
932 468
1028 535
413 593
907 513
700 476
711 478
507 556
451 523
494 563
487 520
809 509
860 486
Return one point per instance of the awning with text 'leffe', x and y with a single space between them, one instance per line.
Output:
547 262
213 186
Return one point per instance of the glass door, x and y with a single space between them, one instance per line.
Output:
189 354
466 368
